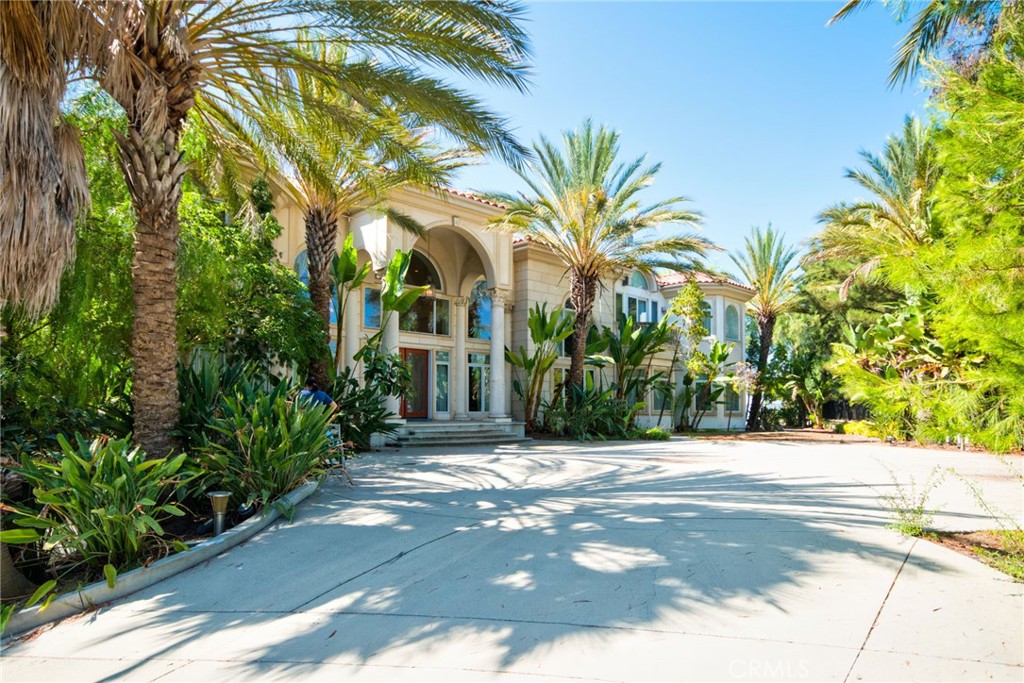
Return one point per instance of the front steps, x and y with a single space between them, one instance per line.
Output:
458 433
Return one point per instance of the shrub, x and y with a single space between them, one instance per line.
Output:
264 445
362 408
595 414
102 503
860 428
652 434
203 383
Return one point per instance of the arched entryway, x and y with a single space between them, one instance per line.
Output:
448 337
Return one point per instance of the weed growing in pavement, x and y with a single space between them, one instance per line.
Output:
908 504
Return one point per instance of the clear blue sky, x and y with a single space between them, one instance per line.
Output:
754 109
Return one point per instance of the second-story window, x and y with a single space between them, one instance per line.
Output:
732 323
479 310
429 314
635 300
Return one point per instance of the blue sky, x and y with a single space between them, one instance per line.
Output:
754 109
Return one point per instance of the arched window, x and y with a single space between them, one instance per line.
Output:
732 323
479 311
302 266
422 272
637 305
302 270
428 314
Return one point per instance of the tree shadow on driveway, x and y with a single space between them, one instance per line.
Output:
493 561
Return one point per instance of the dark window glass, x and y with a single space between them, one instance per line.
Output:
421 272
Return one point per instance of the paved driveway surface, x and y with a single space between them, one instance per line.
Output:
657 561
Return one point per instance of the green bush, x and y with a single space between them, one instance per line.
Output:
101 503
651 434
263 445
363 410
203 383
595 414
860 428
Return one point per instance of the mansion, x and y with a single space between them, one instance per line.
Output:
482 284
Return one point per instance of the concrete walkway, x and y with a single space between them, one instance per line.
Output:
655 561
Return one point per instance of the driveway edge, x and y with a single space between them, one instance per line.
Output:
98 593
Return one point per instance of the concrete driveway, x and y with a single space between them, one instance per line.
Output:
685 560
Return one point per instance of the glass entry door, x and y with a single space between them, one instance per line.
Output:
479 379
415 401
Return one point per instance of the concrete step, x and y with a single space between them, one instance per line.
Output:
443 438
467 440
455 436
452 427
461 433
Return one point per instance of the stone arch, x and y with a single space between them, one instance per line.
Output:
475 243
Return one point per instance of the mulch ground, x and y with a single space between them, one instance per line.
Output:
999 549
790 435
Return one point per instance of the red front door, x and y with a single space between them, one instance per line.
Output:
415 401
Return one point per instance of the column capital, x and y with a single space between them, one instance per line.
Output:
461 300
499 296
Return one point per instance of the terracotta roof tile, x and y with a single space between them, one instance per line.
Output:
474 197
673 279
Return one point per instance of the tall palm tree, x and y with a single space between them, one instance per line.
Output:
932 26
162 59
42 166
332 155
767 264
584 206
897 220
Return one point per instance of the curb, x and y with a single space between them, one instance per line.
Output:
98 593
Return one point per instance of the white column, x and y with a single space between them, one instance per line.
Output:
389 344
459 370
352 323
498 353
719 330
509 341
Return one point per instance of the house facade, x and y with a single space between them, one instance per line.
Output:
482 284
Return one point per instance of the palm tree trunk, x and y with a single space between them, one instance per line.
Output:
321 235
582 292
153 168
13 583
157 101
766 330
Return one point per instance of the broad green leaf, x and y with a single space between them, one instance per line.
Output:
16 536
41 592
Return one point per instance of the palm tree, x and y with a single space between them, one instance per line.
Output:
42 166
897 221
584 206
164 59
932 26
766 265
332 155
